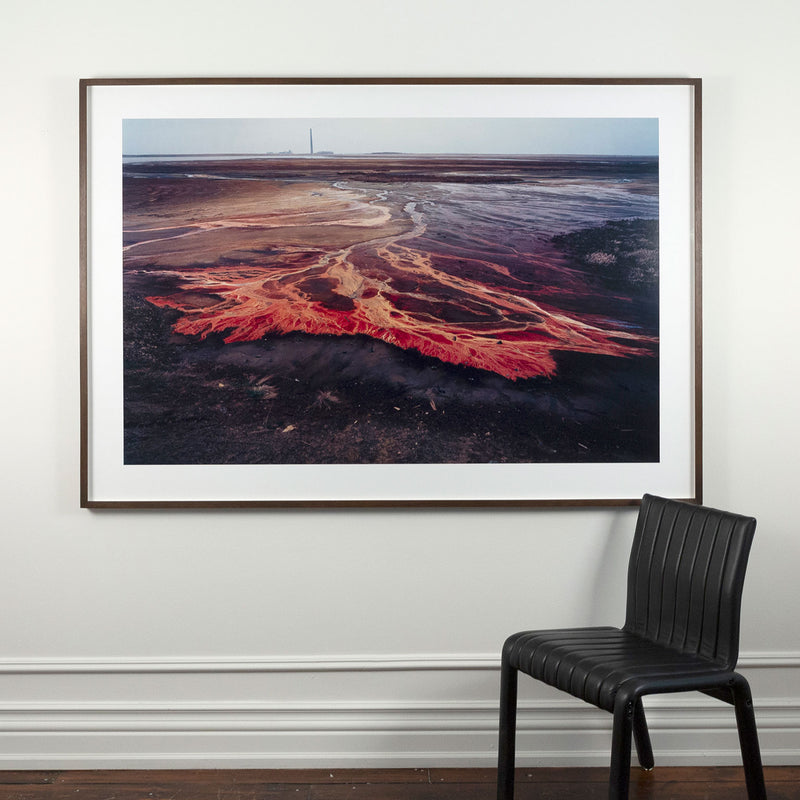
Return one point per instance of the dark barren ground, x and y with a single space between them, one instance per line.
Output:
391 310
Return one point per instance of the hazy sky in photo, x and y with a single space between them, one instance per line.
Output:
550 136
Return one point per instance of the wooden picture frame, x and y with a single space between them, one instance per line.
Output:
451 292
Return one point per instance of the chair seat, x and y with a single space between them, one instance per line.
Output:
593 663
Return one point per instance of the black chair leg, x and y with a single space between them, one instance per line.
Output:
748 739
620 775
641 737
508 730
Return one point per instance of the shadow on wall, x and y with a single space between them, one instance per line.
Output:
611 573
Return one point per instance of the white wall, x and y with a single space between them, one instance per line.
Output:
371 637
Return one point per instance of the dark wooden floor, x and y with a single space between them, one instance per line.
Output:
666 783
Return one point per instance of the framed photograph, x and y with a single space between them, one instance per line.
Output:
368 292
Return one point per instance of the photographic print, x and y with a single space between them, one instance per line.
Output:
396 295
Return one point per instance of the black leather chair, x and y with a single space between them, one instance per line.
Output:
681 633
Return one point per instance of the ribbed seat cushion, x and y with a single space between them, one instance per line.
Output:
592 663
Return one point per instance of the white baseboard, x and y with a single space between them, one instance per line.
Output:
160 730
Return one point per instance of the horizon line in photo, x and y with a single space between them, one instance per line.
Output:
632 137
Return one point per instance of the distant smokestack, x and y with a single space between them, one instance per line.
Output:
311 141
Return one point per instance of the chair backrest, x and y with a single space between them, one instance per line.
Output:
685 577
